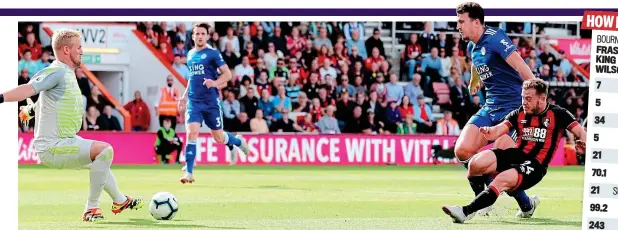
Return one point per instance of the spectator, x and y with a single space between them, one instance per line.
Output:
107 121
324 54
547 58
243 124
84 85
325 98
27 62
408 126
214 41
260 67
345 86
316 110
532 65
358 85
411 53
91 120
232 86
249 102
375 41
312 87
302 106
328 124
271 57
265 104
351 27
45 60
258 124
393 117
251 53
279 40
244 69
432 65
574 76
299 72
354 123
560 76
370 126
231 109
230 37
447 126
475 106
309 54
280 103
345 109
537 61
180 49
323 40
262 82
230 55
166 52
357 60
423 116
181 68
36 50
394 91
413 89
307 124
459 62
167 142
380 87
260 39
356 42
546 73
279 71
245 85
327 69
166 106
375 58
341 57
97 100
428 38
140 114
445 63
245 39
291 89
459 101
285 124
406 107
295 42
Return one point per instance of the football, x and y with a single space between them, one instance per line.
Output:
163 206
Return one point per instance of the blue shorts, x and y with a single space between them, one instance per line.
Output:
199 112
490 116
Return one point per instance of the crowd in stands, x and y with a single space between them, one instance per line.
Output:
338 79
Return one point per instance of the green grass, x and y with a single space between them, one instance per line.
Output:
259 197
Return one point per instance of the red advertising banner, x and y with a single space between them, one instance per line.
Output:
282 149
576 48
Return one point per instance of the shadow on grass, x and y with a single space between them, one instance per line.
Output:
535 222
160 224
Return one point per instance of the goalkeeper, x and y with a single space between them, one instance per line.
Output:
59 113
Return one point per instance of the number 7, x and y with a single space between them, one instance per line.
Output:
598 84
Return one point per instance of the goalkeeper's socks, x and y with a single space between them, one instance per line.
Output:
190 155
485 199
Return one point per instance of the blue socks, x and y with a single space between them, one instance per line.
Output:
231 140
522 200
190 155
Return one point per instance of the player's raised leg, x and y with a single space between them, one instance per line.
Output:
214 120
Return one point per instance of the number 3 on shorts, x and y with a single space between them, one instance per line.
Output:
218 121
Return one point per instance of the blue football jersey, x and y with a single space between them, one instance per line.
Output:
203 64
502 82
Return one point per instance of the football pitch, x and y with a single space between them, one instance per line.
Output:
281 197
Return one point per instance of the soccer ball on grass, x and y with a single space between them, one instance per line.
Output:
163 206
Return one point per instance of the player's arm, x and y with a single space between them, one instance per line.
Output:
572 125
492 133
504 46
41 81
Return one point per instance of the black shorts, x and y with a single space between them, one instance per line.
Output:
530 171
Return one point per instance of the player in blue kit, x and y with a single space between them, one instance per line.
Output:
202 98
495 62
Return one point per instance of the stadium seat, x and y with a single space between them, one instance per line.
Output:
442 92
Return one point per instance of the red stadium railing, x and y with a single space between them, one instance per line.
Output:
125 114
575 65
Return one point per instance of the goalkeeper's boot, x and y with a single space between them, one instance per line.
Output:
92 215
130 203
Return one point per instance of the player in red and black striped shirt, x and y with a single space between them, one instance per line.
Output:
539 127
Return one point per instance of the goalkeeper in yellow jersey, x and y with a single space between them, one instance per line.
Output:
59 113
495 62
